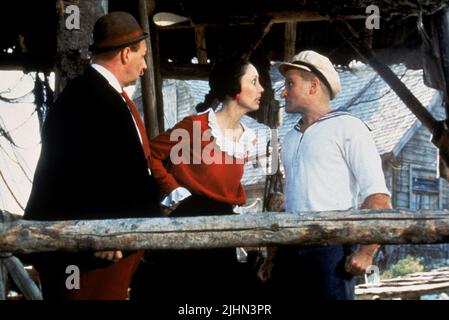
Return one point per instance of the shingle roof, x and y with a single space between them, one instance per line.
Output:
365 94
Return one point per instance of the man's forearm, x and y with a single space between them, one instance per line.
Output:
377 201
369 249
374 201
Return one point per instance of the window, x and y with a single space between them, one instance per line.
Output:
424 188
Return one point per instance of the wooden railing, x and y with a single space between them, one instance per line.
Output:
260 229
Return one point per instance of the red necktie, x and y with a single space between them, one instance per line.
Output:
140 126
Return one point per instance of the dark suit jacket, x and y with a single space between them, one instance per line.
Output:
92 164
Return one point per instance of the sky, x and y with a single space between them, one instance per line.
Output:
17 163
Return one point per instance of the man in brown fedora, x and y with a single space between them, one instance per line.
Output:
94 163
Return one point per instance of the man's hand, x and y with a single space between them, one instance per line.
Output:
357 263
113 256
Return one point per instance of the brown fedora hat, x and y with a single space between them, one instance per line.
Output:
114 30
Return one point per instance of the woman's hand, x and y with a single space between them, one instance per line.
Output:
166 211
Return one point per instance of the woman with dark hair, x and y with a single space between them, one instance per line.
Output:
206 155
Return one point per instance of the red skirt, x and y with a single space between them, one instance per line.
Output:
108 283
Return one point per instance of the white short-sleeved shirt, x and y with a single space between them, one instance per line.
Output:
329 165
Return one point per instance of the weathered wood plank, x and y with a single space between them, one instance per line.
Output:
411 286
413 292
263 229
406 291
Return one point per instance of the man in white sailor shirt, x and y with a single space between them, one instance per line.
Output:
330 161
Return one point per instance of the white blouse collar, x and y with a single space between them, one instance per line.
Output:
240 149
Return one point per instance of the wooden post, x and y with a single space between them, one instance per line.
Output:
12 266
442 33
5 218
200 42
441 139
148 79
72 44
268 112
3 279
158 77
289 40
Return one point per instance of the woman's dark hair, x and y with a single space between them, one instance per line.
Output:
224 81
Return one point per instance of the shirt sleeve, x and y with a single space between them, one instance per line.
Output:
161 147
363 159
176 196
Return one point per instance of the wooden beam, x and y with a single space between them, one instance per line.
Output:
348 33
368 38
440 133
261 229
185 71
200 42
275 16
307 16
266 26
290 40
148 79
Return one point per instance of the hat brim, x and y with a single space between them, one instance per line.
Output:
97 49
283 67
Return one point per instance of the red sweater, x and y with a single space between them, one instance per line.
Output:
219 180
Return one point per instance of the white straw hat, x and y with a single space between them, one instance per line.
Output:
319 65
